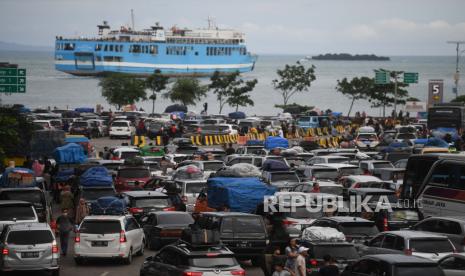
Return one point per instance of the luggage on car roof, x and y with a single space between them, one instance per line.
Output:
108 205
96 177
272 142
274 165
317 233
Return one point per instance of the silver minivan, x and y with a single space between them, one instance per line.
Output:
190 189
29 246
16 211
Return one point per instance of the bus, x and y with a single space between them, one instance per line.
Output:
447 117
443 190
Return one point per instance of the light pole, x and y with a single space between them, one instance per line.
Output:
457 76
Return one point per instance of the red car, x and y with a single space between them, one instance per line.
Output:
128 175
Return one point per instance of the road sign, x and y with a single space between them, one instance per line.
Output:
382 77
410 77
435 92
12 79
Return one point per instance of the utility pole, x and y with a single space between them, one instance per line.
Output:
132 19
457 60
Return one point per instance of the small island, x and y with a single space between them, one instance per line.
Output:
345 56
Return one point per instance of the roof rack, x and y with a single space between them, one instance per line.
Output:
188 245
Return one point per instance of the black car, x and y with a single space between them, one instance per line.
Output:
141 203
245 234
343 252
33 195
393 265
81 128
162 228
356 230
90 194
398 219
185 259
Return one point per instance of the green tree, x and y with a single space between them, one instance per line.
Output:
187 91
222 86
355 89
120 90
239 95
157 83
459 99
293 79
412 99
294 108
15 133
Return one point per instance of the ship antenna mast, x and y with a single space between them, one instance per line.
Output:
132 19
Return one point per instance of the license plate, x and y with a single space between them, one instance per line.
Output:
243 244
119 129
29 254
99 243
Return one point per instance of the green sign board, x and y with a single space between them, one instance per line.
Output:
410 77
12 80
382 77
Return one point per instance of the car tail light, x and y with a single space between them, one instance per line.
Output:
288 222
5 251
408 252
238 272
54 247
192 273
136 210
385 224
313 262
357 186
77 238
212 254
184 199
169 209
122 237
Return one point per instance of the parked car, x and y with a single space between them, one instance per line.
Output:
162 228
81 128
115 237
16 211
190 190
356 230
35 196
452 227
128 175
453 264
140 203
29 247
122 128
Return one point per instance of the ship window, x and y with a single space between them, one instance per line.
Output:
98 47
105 48
98 58
121 48
112 58
153 49
136 48
111 48
69 46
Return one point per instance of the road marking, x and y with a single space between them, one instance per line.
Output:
104 273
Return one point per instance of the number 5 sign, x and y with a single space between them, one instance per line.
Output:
435 92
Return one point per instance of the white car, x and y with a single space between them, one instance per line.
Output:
328 159
118 237
366 140
121 128
190 190
46 124
122 153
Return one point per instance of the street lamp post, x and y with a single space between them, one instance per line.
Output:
457 76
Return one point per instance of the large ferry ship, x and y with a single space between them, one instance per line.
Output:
175 52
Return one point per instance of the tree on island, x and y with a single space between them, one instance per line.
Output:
355 89
239 95
221 85
293 79
120 90
459 99
187 91
294 108
157 83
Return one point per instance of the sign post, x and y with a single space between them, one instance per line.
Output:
435 92
12 78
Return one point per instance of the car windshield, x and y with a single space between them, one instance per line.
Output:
334 190
129 154
79 124
30 237
401 215
220 262
291 177
359 229
195 187
212 166
303 213
34 197
134 173
345 252
406 136
182 218
100 227
418 269
350 171
248 225
151 202
379 165
431 245
367 137
325 174
338 160
12 212
94 194
119 124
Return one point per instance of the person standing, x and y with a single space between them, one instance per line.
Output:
67 199
291 255
65 226
301 267
82 211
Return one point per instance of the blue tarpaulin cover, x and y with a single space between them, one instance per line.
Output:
274 165
70 154
84 110
239 194
96 177
108 205
76 139
237 115
436 142
272 142
64 175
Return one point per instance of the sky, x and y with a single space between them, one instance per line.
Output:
389 27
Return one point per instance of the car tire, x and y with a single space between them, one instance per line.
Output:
128 260
78 261
56 272
142 249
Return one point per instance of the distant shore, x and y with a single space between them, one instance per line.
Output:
350 57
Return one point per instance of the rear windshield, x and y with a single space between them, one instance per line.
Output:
129 154
418 270
367 137
94 194
325 174
151 202
334 190
212 166
401 215
195 187
35 197
336 251
248 225
382 165
100 227
134 173
303 213
79 124
406 136
30 237
431 245
359 229
16 212
119 124
221 262
350 171
338 160
284 177
175 219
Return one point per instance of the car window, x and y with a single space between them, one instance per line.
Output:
151 202
431 245
453 263
131 224
427 225
448 227
100 227
30 237
227 225
389 242
376 242
175 218
213 262
12 212
422 270
248 225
